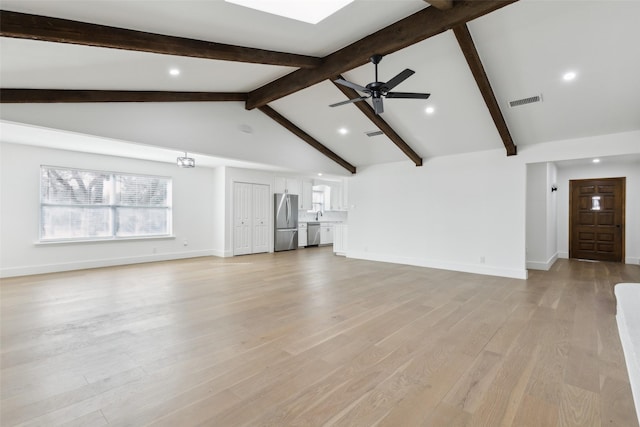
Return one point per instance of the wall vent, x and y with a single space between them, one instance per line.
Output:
523 101
374 133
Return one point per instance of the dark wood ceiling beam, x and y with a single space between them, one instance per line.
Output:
368 111
36 27
306 137
477 69
441 4
406 32
24 96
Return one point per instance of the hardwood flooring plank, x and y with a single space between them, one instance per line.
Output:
616 405
467 393
309 338
579 407
534 412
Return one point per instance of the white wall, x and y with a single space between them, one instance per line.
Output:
19 219
536 223
606 169
455 210
219 211
552 214
464 212
541 221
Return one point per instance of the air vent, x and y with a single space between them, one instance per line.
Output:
374 133
523 101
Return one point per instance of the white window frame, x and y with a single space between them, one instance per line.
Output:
113 206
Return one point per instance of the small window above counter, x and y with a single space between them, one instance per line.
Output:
315 194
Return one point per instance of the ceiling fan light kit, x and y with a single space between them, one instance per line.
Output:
377 90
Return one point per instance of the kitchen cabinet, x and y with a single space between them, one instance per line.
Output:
302 234
340 239
326 234
335 194
336 197
289 185
345 194
306 197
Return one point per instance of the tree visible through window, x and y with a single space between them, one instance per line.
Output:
81 204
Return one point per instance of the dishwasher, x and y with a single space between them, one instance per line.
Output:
313 234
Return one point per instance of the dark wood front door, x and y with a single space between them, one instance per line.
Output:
596 219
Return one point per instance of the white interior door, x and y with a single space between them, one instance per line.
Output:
242 199
260 216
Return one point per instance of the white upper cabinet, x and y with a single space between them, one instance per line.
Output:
307 195
336 196
280 185
345 194
289 185
339 199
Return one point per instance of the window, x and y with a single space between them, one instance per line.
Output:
320 198
86 205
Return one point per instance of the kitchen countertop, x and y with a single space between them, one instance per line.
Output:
323 222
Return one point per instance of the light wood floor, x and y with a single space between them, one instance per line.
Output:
308 338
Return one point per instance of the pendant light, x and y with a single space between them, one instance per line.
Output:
186 162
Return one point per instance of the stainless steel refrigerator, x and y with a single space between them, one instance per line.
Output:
285 208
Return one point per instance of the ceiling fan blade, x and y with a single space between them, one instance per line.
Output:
349 101
354 86
398 79
408 95
377 105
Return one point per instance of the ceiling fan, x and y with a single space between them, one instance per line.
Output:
377 90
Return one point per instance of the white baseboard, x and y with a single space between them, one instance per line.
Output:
97 263
542 265
443 265
563 255
222 254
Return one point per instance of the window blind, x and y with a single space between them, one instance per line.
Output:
82 204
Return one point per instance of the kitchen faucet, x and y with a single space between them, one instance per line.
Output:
318 213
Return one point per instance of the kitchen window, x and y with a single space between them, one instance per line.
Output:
77 205
320 198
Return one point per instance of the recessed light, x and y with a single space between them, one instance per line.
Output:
319 173
429 110
343 131
596 160
174 72
568 76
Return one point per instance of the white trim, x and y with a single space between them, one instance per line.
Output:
467 268
97 263
111 239
541 265
628 307
222 254
563 255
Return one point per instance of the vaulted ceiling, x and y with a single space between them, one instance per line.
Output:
255 88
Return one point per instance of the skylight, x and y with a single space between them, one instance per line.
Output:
310 11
